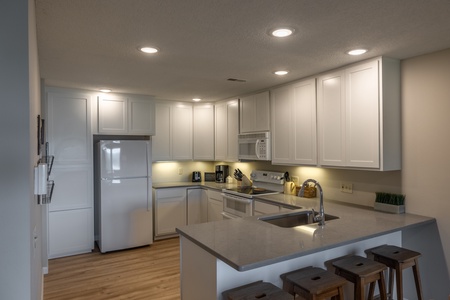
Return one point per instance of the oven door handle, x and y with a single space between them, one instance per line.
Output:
237 199
229 216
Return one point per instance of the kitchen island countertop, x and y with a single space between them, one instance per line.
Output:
249 243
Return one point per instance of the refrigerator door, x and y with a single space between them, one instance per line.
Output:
124 159
125 213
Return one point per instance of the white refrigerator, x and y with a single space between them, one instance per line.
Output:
123 194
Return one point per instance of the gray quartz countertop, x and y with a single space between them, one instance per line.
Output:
206 184
249 243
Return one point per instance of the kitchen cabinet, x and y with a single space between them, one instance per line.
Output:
215 206
197 201
226 131
254 113
263 208
170 211
121 114
70 214
359 116
203 134
294 138
173 137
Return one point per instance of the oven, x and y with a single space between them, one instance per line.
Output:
238 201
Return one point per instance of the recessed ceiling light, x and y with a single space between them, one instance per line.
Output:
196 99
282 32
105 90
357 51
149 50
281 72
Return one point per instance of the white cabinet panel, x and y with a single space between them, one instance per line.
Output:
73 187
182 132
197 206
215 206
70 232
226 131
68 126
294 124
170 210
141 117
112 114
161 140
203 119
254 114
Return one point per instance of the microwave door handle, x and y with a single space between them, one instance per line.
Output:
257 148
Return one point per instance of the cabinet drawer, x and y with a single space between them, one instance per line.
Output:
170 193
266 208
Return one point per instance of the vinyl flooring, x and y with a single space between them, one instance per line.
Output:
142 273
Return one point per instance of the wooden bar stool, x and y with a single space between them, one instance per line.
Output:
257 290
398 259
314 284
361 271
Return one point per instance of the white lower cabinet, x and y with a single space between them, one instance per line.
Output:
215 206
70 232
197 199
170 211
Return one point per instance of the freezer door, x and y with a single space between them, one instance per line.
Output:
124 159
125 214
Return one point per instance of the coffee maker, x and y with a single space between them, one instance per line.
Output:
221 173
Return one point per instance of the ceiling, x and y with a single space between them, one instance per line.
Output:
92 44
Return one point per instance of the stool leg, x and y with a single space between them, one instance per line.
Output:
359 290
399 281
371 290
391 283
417 279
341 293
382 287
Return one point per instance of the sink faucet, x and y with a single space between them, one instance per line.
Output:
321 217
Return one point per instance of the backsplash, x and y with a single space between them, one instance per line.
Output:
365 183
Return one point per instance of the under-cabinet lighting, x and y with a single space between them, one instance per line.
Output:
196 99
105 90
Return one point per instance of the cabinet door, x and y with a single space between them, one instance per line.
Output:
112 114
232 130
304 123
197 206
282 134
68 126
254 114
362 116
141 117
215 206
170 210
220 139
331 118
182 132
263 208
203 132
70 232
161 140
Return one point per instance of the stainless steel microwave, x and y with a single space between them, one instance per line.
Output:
254 146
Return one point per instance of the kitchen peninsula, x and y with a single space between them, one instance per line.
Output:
218 256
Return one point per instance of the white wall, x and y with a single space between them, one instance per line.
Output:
426 139
21 266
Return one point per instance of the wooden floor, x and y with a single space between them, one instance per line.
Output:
142 273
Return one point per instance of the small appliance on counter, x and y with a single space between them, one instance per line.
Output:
196 176
210 176
221 173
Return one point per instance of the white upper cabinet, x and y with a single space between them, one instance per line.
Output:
203 120
120 114
226 131
254 113
293 110
173 138
359 116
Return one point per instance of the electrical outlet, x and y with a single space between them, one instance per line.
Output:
180 171
347 187
295 180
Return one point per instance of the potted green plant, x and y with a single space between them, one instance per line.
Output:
391 203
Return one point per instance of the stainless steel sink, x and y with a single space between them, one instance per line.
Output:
294 219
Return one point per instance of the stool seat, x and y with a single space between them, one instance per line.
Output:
257 290
398 259
361 271
314 283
